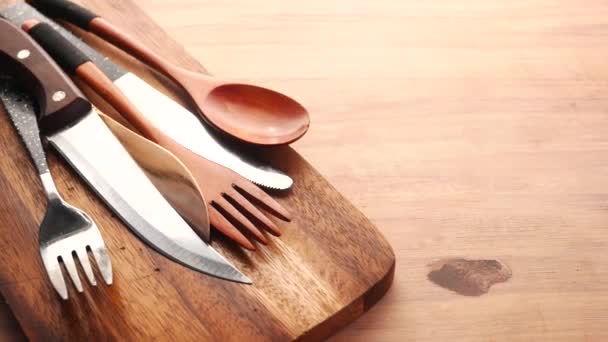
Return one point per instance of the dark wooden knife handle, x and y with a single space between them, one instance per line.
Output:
60 102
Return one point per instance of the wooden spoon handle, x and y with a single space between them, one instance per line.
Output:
130 45
89 21
100 83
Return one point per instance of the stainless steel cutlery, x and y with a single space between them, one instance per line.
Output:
228 208
226 185
71 126
69 237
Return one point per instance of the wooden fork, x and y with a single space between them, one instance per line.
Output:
228 194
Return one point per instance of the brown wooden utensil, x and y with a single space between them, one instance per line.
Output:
168 174
226 192
247 112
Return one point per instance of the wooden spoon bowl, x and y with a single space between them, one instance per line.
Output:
248 113
254 114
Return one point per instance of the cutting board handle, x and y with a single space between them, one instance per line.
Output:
60 102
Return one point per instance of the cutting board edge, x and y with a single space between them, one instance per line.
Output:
357 308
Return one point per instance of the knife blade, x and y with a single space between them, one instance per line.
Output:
176 121
72 127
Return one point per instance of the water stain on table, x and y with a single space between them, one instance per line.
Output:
468 277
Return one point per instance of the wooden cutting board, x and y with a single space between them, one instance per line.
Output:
329 267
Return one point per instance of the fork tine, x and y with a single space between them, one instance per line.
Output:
53 269
83 258
102 258
223 225
273 206
70 266
237 215
249 207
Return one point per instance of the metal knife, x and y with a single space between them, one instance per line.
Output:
71 126
176 121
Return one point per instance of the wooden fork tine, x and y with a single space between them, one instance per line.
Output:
263 198
237 215
220 223
253 211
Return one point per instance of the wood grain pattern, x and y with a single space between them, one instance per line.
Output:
472 129
320 267
463 129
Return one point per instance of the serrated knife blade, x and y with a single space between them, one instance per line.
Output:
186 129
175 120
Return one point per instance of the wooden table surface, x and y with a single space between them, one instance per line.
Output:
468 129
472 129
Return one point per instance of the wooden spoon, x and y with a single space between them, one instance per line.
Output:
249 113
168 174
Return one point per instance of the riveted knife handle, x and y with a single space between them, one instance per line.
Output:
60 103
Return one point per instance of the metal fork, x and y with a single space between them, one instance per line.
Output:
66 233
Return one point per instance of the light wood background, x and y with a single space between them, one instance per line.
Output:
473 128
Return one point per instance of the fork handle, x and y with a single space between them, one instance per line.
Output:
25 123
